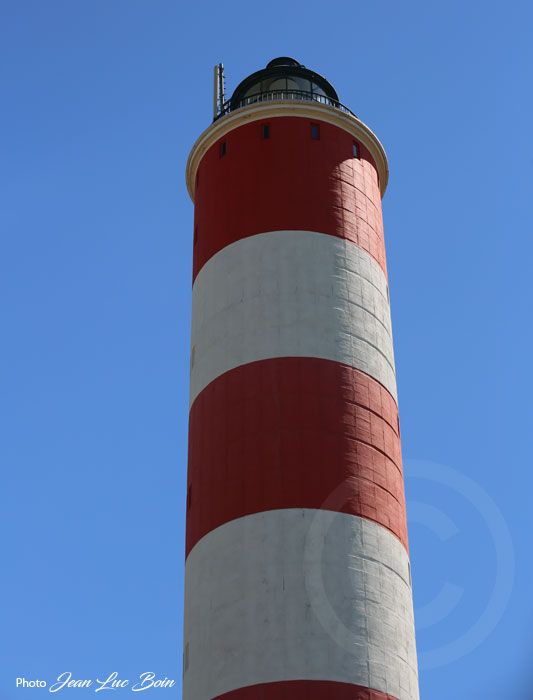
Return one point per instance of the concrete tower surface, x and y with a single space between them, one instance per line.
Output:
298 581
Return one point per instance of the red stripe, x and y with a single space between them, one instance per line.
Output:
305 690
294 433
286 182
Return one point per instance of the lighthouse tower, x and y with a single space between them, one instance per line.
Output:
298 582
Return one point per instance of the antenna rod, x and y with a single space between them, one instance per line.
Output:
215 92
221 95
218 92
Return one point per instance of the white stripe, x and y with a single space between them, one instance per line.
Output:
290 294
299 594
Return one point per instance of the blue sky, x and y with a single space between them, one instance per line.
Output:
101 104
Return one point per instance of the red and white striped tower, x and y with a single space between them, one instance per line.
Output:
297 574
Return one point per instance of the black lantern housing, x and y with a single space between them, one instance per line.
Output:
283 78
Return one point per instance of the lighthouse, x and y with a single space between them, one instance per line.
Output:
297 575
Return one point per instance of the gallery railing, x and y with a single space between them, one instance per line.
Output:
276 95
